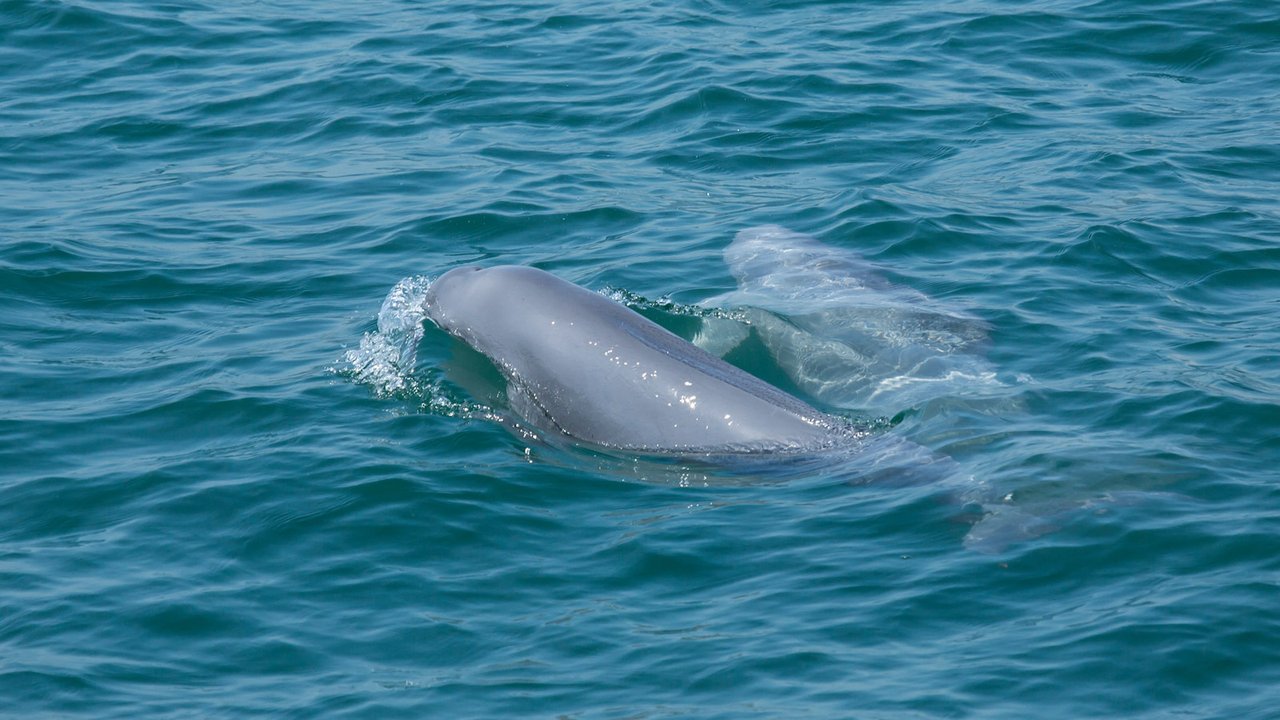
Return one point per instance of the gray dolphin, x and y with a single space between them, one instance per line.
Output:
584 366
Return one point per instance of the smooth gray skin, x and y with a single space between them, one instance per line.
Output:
583 365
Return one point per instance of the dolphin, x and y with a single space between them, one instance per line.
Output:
844 334
584 370
582 366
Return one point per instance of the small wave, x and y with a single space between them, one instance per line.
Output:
639 302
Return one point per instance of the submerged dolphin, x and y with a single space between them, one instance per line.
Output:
584 366
844 334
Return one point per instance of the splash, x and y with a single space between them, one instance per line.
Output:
386 357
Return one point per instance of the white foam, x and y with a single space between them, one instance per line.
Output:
386 356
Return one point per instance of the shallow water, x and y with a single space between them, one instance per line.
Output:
206 509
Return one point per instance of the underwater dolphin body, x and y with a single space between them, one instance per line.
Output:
578 364
842 333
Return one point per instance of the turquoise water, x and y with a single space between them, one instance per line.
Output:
215 501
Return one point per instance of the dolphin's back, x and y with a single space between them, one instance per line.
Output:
583 365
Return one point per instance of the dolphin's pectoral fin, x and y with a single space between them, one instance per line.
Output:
719 336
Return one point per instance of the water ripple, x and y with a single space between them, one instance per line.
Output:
204 205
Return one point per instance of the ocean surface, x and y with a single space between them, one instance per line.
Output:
237 479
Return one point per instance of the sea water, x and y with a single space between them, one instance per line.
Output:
226 491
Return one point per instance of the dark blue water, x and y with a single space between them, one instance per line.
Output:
221 497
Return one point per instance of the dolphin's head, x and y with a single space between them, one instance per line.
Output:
458 297
490 306
448 291
761 251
